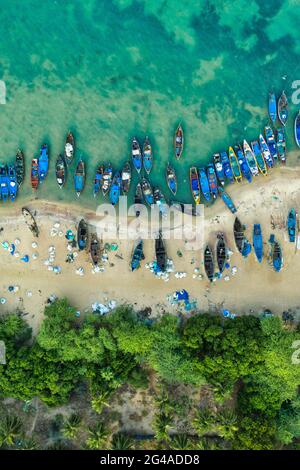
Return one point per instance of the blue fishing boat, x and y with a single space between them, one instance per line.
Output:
107 179
219 168
259 158
98 179
270 139
292 225
212 180
272 107
281 145
137 158
250 157
147 191
137 255
79 178
246 249
227 167
203 180
266 151
283 109
171 179
115 189
4 182
43 163
243 163
13 185
258 242
297 129
147 156
227 200
195 185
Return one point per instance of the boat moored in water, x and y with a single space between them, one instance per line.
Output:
147 191
178 142
235 166
297 129
259 158
270 139
136 155
79 177
60 171
272 107
281 145
250 157
227 167
98 179
34 173
13 185
138 199
147 156
107 179
219 168
20 167
115 189
212 180
126 178
69 148
283 109
43 162
195 185
266 151
204 184
171 179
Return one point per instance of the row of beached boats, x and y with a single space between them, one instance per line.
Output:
11 177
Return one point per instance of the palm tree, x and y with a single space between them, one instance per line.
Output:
204 422
162 423
227 424
205 444
10 429
98 437
180 442
122 442
71 427
100 401
28 444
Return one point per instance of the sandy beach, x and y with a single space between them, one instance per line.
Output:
254 287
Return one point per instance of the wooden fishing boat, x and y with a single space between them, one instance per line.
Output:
13 185
147 156
95 249
20 167
79 178
272 107
209 263
221 251
30 221
250 157
136 155
227 200
238 232
138 199
219 168
212 180
283 109
204 184
115 189
243 163
137 255
195 184
258 242
147 191
161 254
281 145
297 129
160 201
171 179
43 163
277 259
107 179
266 151
34 173
227 167
98 180
60 171
292 225
126 178
69 148
259 158
82 234
178 142
235 166
270 139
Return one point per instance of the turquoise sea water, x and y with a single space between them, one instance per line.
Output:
111 69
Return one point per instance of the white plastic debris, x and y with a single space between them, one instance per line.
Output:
57 269
50 268
53 232
75 254
17 254
29 293
3 300
17 241
56 225
51 248
60 234
35 255
226 278
80 271
233 270
34 245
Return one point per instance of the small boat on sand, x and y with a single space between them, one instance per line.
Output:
209 263
34 173
178 142
147 191
98 179
235 166
239 235
137 256
259 158
138 199
126 178
203 180
20 167
43 163
13 185
82 234
30 221
258 242
221 251
243 163
79 178
281 145
227 167
212 180
115 189
270 139
95 249
60 171
195 185
69 148
292 225
227 200
297 129
161 254
160 201
266 151
136 155
276 254
272 107
171 179
147 156
219 168
250 157
283 109
107 179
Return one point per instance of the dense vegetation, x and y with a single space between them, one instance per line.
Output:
246 363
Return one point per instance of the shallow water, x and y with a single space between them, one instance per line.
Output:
108 70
